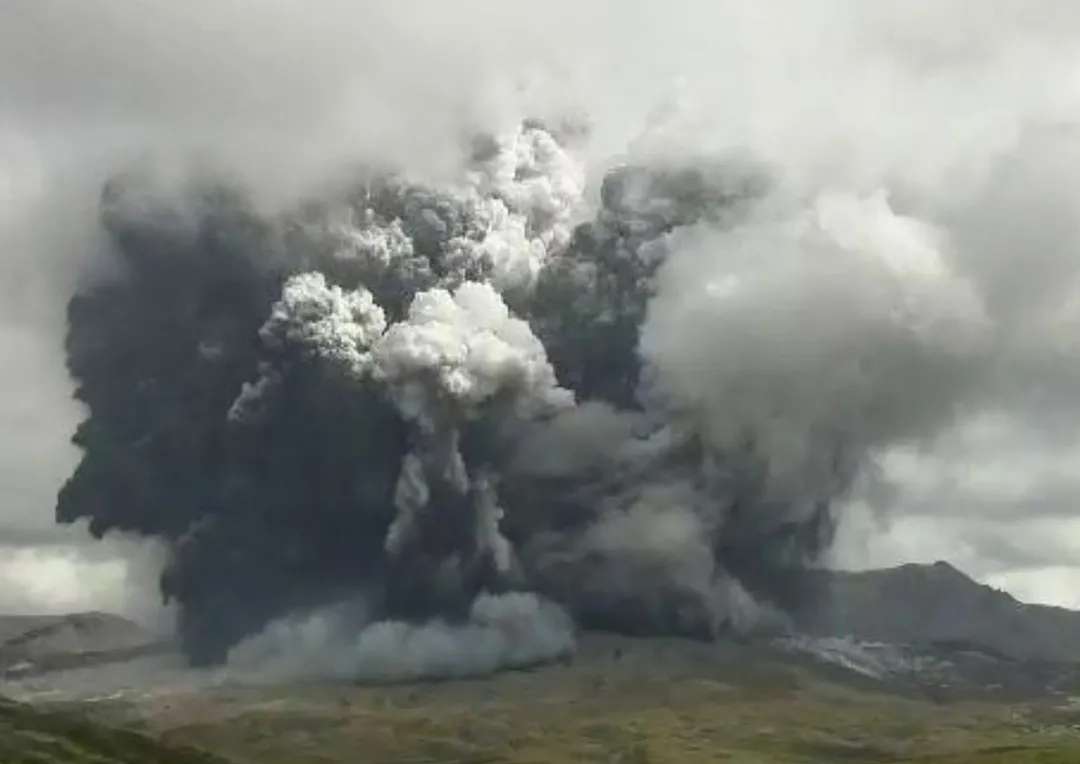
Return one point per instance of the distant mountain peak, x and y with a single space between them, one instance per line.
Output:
923 604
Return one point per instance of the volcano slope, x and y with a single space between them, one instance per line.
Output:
619 699
35 644
967 675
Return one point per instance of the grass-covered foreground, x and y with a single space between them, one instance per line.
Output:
656 701
31 736
652 701
656 725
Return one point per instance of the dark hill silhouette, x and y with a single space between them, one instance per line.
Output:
934 604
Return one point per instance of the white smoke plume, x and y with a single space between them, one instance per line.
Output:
808 337
452 355
514 630
318 321
326 322
530 190
510 209
462 350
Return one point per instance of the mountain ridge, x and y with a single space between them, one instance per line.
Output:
935 603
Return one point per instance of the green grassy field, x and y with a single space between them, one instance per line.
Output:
659 703
30 736
674 724
741 707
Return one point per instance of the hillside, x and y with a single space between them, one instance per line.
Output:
933 604
620 699
29 736
31 644
912 664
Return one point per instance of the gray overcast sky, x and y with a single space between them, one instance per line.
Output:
967 119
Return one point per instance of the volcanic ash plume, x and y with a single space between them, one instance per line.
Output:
452 359
413 429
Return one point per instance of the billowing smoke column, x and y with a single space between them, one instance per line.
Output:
406 422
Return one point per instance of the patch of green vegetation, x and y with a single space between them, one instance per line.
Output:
632 722
655 709
31 736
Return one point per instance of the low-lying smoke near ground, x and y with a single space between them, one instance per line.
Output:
430 412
